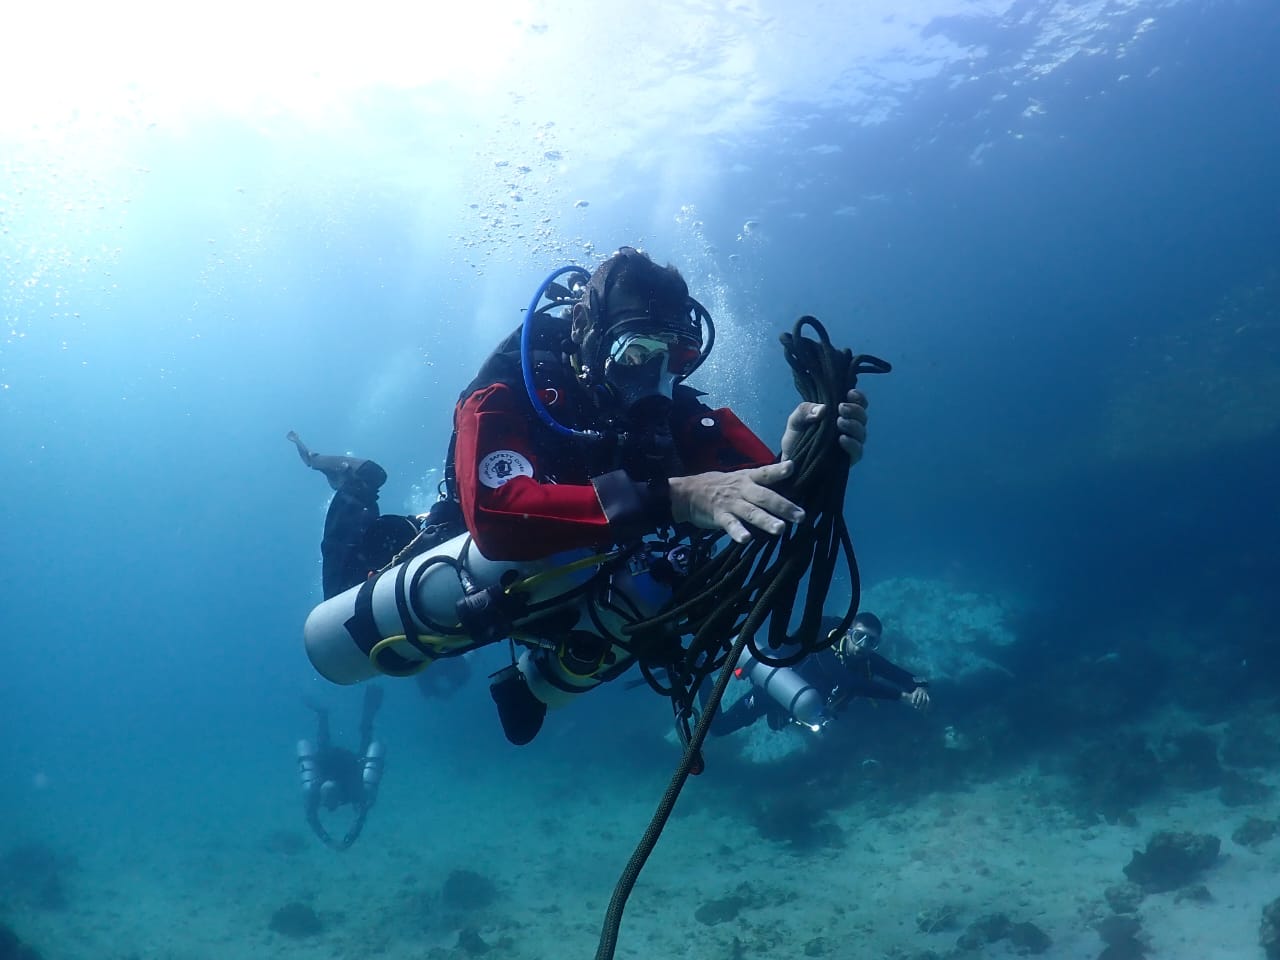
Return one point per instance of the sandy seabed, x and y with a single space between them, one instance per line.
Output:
188 888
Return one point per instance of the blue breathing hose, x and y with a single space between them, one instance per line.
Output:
526 358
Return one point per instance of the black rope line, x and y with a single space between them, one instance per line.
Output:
745 583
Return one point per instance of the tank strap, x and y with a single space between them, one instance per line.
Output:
363 629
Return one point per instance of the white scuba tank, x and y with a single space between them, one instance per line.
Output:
788 687
407 598
341 632
307 769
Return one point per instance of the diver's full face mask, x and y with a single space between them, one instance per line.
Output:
642 359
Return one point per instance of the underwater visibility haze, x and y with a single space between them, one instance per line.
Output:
1059 221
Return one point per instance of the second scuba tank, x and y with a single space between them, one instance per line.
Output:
414 598
371 770
307 767
786 686
588 653
556 676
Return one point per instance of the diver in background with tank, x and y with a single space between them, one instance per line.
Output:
334 777
357 539
815 690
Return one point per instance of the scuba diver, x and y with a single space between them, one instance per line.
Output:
815 690
630 449
333 777
577 440
357 539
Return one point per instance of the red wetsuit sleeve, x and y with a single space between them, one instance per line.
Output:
514 516
718 440
519 519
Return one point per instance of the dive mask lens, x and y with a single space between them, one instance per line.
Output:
860 639
639 349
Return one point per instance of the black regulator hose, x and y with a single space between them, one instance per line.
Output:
744 582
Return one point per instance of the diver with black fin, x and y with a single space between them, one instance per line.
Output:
339 470
357 539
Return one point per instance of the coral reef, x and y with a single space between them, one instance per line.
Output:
1172 860
1189 760
937 631
761 744
470 942
296 920
817 947
721 911
800 819
1124 897
1247 742
1269 933
1122 936
1112 776
1255 831
1241 791
466 890
1025 937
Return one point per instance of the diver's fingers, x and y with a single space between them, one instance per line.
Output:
760 519
759 493
805 412
851 425
769 503
734 527
855 429
770 473
850 413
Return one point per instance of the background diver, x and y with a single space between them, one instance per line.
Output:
334 777
817 688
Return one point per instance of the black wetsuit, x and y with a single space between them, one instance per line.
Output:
839 681
353 512
357 539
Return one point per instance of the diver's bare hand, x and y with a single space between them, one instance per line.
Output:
735 502
851 422
917 698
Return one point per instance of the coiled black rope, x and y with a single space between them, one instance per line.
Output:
731 596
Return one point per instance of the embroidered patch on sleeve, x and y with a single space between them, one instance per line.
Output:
501 465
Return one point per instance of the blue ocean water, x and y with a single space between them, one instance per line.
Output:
1059 221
